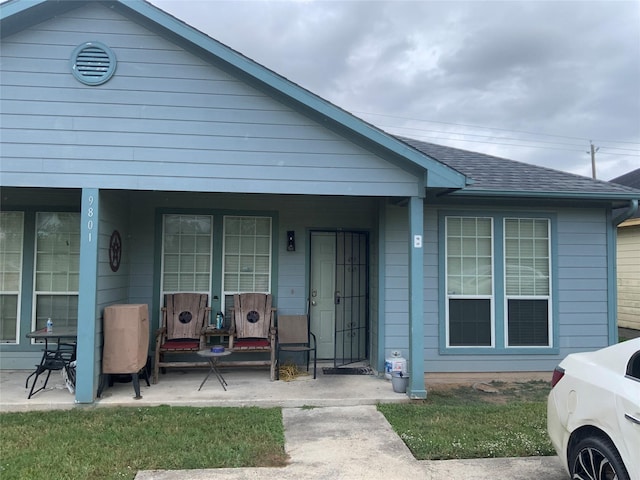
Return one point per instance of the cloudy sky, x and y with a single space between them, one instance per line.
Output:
534 81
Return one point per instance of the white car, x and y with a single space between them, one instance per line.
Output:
593 413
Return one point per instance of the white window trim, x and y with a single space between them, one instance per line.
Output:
506 321
547 297
17 292
207 292
492 319
36 293
226 293
455 296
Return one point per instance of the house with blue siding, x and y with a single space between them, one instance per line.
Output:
140 157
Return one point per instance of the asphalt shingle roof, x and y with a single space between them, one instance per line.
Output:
495 174
629 179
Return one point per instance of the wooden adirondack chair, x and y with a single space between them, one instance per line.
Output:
184 319
252 327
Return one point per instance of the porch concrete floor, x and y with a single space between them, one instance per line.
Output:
246 387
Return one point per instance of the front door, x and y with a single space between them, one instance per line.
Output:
323 280
339 295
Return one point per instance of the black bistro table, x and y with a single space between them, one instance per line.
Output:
213 358
59 351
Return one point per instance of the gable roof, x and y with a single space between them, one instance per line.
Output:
465 172
629 179
496 176
16 15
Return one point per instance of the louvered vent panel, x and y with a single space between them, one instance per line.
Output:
93 63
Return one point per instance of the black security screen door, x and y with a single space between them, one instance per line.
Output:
351 297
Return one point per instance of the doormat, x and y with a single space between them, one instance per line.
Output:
347 371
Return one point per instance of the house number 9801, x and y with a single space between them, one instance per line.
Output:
90 216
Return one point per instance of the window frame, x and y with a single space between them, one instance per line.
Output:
53 293
163 291
548 297
229 293
17 293
499 307
216 296
462 296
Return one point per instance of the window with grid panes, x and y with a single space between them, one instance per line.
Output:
57 268
11 241
247 256
186 253
469 273
527 286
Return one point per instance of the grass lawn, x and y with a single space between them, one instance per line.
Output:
114 443
110 443
463 422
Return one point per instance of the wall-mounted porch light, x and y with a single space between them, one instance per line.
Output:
291 241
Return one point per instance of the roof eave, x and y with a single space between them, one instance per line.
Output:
596 196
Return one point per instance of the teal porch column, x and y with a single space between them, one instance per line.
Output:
417 387
86 350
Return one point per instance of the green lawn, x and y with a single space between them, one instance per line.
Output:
110 443
114 443
466 423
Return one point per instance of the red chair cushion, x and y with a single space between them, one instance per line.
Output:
251 343
181 345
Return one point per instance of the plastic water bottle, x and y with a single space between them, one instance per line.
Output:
49 325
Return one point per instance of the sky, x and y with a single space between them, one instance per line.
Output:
534 81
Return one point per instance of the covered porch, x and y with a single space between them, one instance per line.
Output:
138 273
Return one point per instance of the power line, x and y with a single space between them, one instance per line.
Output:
449 139
494 128
499 143
481 136
620 154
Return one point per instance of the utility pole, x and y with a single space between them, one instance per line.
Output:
593 158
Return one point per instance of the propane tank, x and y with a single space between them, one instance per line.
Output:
395 363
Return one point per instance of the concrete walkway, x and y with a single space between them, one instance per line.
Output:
358 443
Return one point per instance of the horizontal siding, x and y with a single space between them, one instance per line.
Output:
167 120
628 264
396 282
582 277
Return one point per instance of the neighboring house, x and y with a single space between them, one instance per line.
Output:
177 164
629 261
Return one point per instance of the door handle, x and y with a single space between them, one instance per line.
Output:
313 303
337 298
632 419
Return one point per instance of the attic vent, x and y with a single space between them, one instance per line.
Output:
93 63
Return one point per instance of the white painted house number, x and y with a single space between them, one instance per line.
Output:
90 216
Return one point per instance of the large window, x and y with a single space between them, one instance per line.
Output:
189 260
57 268
503 301
527 261
186 253
11 240
469 281
247 255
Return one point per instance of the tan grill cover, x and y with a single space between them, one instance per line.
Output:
126 338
